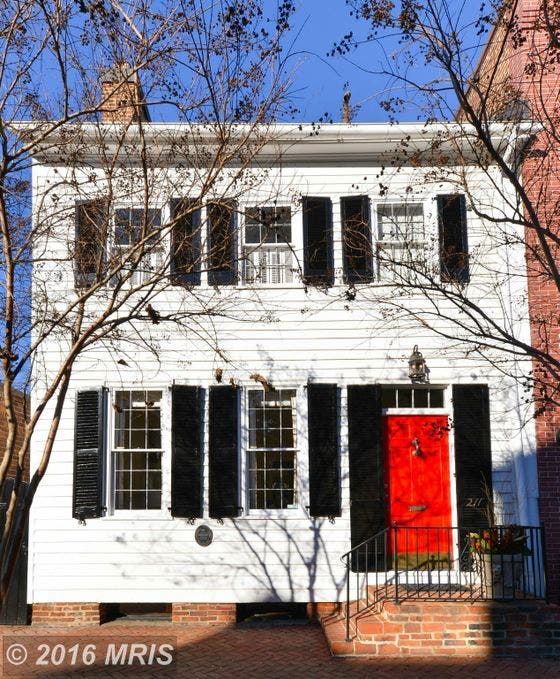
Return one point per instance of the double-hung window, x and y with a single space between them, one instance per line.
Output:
271 454
401 247
137 243
267 249
137 449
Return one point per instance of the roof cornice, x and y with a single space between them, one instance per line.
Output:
172 143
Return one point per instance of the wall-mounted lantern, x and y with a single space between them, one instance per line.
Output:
417 369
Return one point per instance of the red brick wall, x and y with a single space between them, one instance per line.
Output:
69 614
204 614
450 629
20 410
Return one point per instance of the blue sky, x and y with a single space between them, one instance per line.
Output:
321 79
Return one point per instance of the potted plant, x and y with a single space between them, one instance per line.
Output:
499 553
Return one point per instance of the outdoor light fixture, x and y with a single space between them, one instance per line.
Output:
417 370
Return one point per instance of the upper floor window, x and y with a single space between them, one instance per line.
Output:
401 238
271 458
267 249
137 449
136 242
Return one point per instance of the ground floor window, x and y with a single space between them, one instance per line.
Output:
137 449
272 455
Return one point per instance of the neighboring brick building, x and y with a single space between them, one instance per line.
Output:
21 407
517 77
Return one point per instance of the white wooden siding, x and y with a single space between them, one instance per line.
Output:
306 336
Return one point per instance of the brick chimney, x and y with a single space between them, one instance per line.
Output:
123 99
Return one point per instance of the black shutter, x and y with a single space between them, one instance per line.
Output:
356 239
222 259
223 452
454 248
92 220
89 454
186 453
367 492
473 456
324 476
13 610
318 241
185 242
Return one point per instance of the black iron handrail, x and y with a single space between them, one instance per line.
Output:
501 563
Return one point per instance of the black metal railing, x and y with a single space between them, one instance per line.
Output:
502 563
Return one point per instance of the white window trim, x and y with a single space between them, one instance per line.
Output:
296 246
165 242
162 514
382 274
301 453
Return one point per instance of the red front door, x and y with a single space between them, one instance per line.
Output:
417 482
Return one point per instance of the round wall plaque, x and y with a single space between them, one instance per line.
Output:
203 535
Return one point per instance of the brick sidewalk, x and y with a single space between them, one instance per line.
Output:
268 652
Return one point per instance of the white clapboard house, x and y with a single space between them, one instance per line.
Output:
235 457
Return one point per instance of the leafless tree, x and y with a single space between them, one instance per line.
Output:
492 70
68 68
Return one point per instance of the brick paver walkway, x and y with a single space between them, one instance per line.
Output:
267 652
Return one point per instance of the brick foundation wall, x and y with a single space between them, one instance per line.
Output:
69 614
319 609
204 614
447 629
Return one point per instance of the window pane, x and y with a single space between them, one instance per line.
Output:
138 480
138 419
154 480
404 398
420 398
288 480
138 461
273 499
272 418
154 499
153 399
137 438
122 481
120 439
154 460
389 398
436 398
154 418
122 399
154 439
273 460
288 498
288 460
123 461
272 438
287 439
121 500
138 500
252 226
